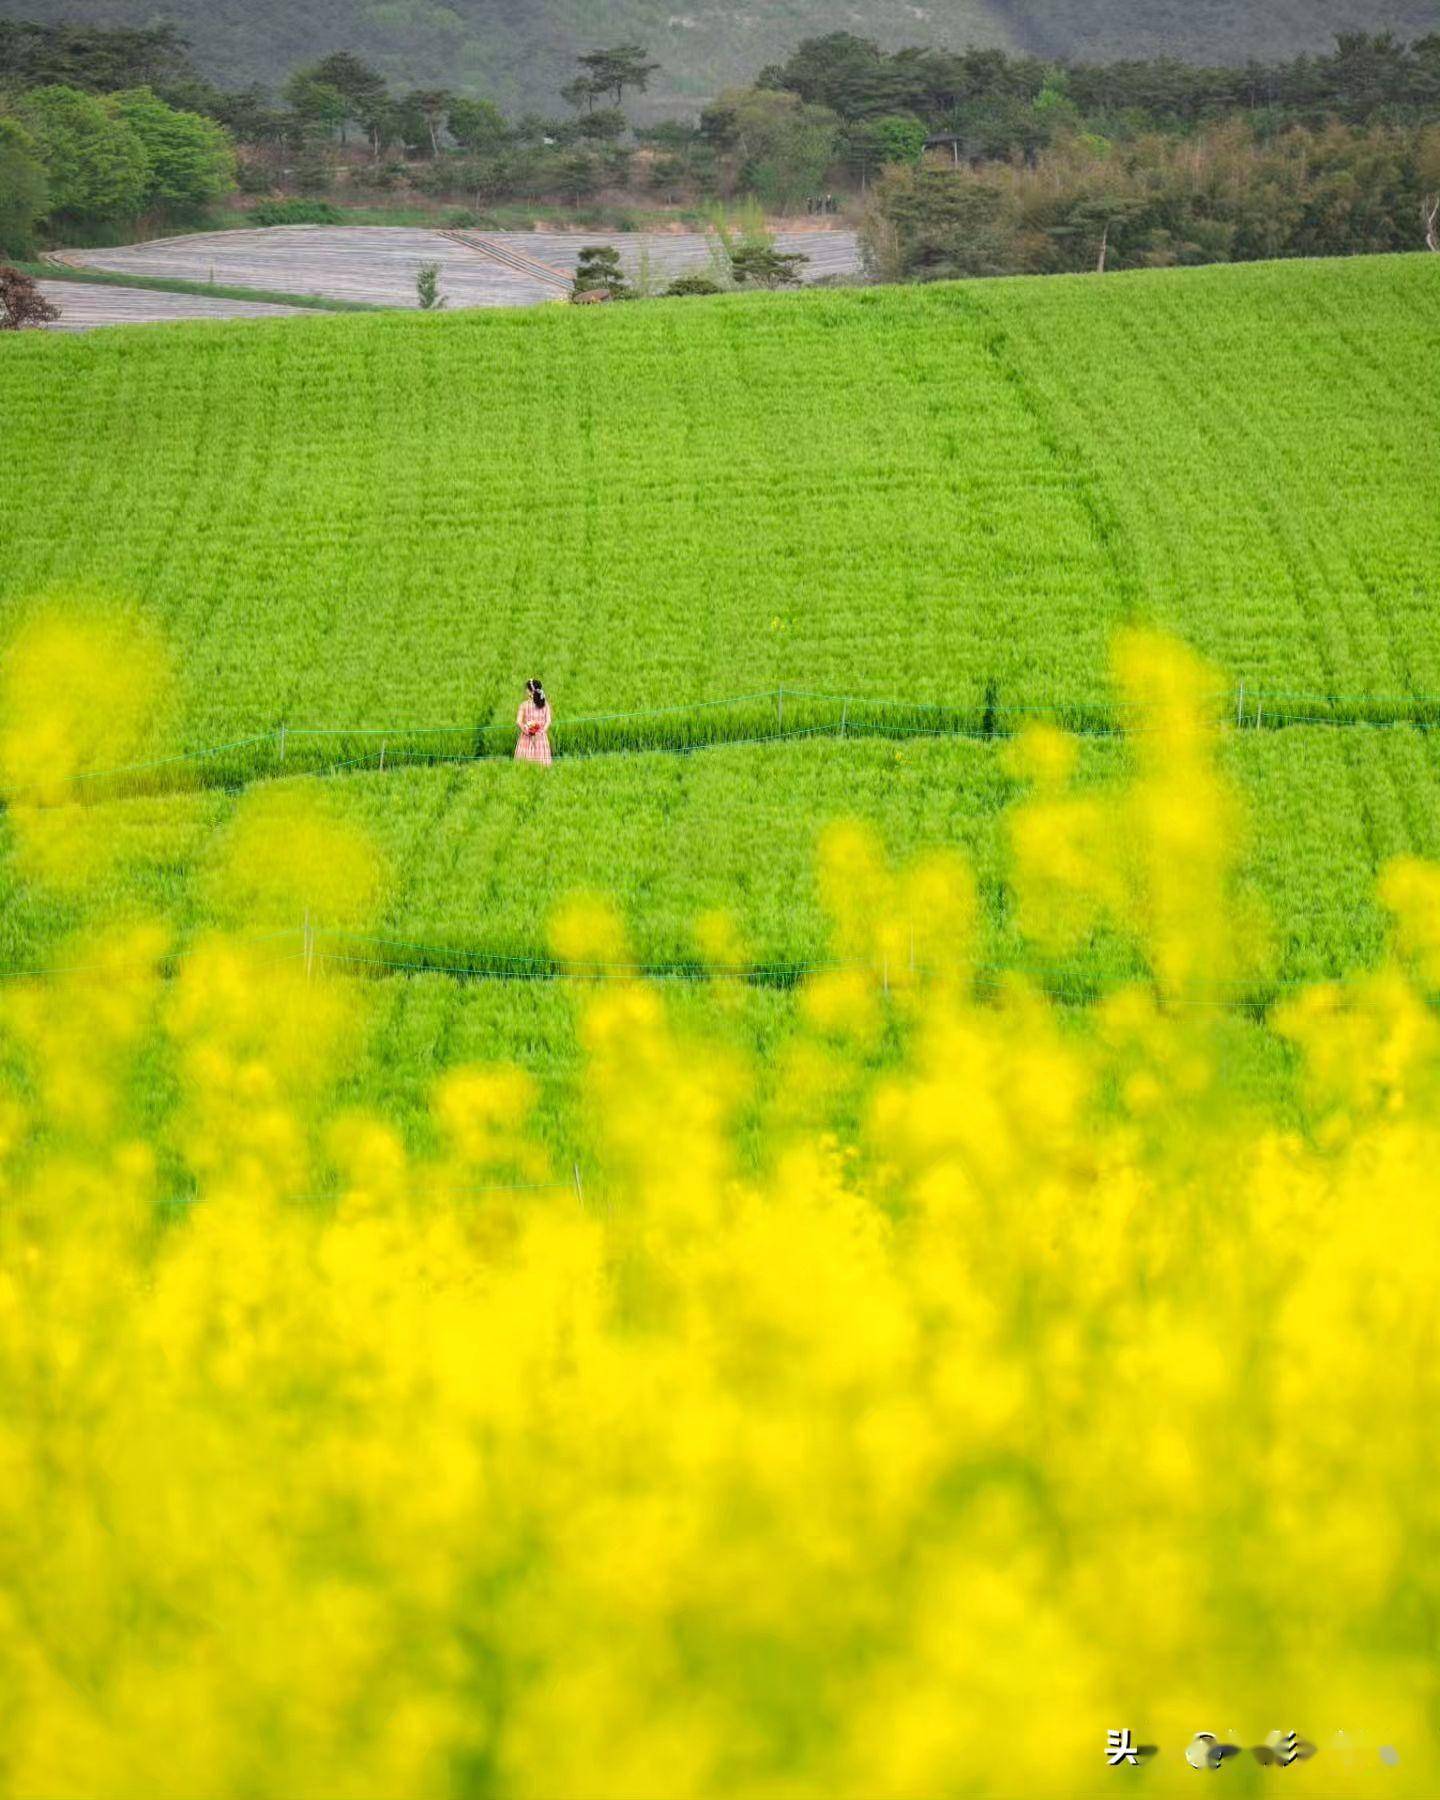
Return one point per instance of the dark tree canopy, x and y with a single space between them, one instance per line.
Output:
21 302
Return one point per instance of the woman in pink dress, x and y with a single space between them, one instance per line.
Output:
533 719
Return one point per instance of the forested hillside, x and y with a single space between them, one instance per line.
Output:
520 52
1200 30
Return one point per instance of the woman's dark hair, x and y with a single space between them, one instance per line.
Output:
535 691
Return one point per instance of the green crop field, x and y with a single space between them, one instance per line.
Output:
890 525
935 494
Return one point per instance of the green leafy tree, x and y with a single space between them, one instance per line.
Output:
605 126
932 222
849 74
1092 227
477 125
425 111
866 146
320 109
250 118
612 71
900 138
682 160
488 179
581 93
580 175
779 145
363 90
24 191
598 271
95 163
860 151
97 59
427 287
755 260
191 160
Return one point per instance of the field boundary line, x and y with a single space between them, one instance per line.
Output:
777 715
324 948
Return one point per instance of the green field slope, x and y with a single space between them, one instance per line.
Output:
521 55
943 498
950 495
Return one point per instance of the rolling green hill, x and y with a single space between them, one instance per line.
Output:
520 54
947 495
885 526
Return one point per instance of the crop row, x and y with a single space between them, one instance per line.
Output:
477 857
1262 453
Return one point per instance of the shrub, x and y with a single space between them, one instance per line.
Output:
22 303
757 260
296 212
692 284
599 271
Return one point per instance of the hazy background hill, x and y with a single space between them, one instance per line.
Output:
518 52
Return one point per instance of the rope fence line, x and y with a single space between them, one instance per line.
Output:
776 715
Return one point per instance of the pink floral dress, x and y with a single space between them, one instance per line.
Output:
533 744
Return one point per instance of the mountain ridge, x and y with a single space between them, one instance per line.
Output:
519 52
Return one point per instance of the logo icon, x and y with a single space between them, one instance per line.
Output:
1281 1748
1205 1751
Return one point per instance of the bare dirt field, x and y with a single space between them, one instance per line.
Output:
379 262
83 306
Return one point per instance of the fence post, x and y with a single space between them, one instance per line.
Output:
1240 704
282 743
844 715
780 709
579 1184
1259 709
308 939
382 756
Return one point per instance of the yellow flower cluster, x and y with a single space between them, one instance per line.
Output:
1064 1391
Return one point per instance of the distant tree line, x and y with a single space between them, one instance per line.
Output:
998 105
331 119
73 158
1224 193
971 161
